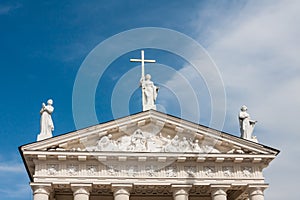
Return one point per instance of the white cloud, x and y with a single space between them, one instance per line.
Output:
13 172
258 60
257 52
17 191
11 168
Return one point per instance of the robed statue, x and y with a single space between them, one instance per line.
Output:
149 91
246 124
46 123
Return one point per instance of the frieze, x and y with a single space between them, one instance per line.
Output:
200 190
209 171
247 171
141 141
152 189
227 171
52 169
91 170
111 170
171 171
72 169
138 170
132 170
190 170
151 170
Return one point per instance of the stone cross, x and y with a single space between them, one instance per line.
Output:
149 90
142 60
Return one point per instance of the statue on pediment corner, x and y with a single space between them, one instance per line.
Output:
246 124
46 123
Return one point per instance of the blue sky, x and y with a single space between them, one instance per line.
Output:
255 46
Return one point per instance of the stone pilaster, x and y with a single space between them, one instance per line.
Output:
41 191
81 191
256 192
181 192
218 192
121 191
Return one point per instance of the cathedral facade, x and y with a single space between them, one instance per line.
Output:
147 156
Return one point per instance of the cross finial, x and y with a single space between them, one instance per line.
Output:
142 60
149 90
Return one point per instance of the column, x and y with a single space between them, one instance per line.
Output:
81 191
256 192
181 192
218 192
121 191
41 191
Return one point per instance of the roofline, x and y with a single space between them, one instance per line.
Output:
153 111
25 163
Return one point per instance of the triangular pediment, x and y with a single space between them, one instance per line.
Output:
150 131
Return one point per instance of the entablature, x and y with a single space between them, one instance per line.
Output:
146 156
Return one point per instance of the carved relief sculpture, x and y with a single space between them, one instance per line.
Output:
151 171
209 171
52 169
190 170
247 171
72 170
228 171
145 142
171 171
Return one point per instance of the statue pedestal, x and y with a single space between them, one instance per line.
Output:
43 136
149 107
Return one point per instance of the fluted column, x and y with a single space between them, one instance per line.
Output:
256 192
218 192
41 191
121 191
81 191
181 192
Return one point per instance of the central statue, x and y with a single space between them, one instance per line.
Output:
149 90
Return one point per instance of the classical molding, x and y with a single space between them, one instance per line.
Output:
41 188
219 189
81 189
261 186
110 169
256 189
121 189
180 190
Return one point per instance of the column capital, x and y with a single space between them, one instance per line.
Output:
41 188
261 186
224 187
81 188
219 189
256 190
180 191
121 189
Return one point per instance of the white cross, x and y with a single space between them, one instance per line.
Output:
142 60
